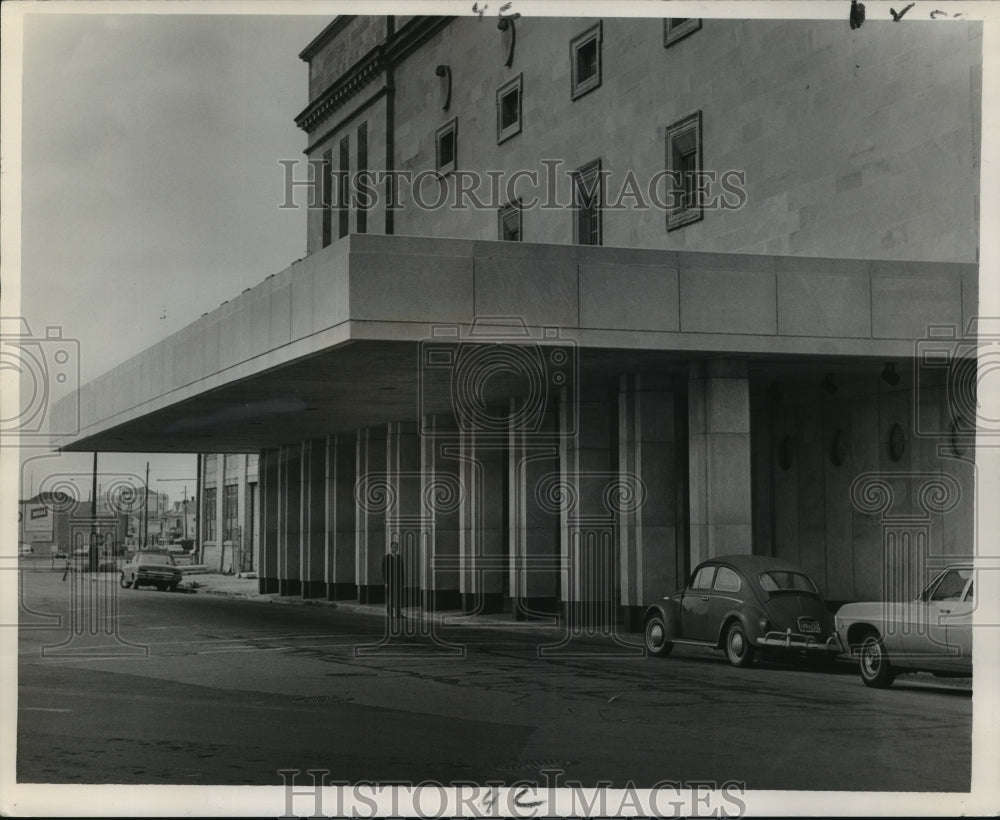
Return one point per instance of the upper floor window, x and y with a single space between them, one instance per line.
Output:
362 207
327 197
684 170
510 222
585 60
509 109
587 203
343 200
677 28
230 512
446 142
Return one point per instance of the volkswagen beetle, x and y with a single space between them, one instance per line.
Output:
743 603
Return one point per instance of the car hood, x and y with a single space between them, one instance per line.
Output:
877 611
785 608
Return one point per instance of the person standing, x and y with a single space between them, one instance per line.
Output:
392 577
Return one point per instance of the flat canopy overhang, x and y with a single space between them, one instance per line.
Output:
340 340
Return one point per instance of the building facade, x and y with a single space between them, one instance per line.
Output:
587 301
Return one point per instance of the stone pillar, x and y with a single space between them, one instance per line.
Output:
341 517
588 532
267 562
651 558
719 459
371 494
442 496
290 520
533 522
313 518
482 521
404 516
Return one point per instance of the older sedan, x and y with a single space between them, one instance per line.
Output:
150 568
932 633
742 603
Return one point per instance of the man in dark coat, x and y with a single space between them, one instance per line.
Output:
392 577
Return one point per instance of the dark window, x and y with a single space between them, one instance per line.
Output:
509 109
585 61
510 222
327 171
362 215
447 146
343 201
587 204
209 514
677 28
951 585
684 167
230 512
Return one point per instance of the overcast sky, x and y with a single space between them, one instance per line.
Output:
150 178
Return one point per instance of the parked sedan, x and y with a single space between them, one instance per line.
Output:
932 633
742 603
150 569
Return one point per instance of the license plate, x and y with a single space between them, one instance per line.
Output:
809 626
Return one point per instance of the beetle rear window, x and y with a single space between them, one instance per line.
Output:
780 581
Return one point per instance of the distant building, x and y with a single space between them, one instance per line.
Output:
230 512
53 522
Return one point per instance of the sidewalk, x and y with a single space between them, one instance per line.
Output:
233 586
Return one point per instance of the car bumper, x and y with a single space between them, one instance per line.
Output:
795 642
158 577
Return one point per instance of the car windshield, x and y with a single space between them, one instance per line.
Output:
784 581
155 558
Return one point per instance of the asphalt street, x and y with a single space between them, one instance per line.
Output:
142 686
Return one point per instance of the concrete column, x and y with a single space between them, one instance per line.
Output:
313 518
482 521
588 531
533 521
290 520
719 459
651 560
341 517
404 518
267 563
442 496
372 495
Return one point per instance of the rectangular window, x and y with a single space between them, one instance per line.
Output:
587 198
684 164
362 208
509 109
510 222
230 511
446 141
343 200
585 60
677 28
327 192
209 515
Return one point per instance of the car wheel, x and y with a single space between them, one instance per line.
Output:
656 637
135 582
122 582
739 650
873 663
172 587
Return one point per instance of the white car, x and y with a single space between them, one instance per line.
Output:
932 633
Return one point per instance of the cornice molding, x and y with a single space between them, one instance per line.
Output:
384 55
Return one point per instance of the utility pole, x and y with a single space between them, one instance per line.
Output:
145 535
184 511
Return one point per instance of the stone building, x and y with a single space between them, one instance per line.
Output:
718 299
